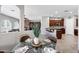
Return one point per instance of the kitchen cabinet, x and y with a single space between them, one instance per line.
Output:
56 22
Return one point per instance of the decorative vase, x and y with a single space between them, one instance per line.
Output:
36 40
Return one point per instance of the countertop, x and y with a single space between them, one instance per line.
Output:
55 27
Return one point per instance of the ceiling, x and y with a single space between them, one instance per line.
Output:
51 10
10 10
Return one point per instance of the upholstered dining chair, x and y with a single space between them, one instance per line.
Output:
23 38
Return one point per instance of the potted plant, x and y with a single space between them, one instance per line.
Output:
36 31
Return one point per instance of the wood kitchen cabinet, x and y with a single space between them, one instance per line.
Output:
56 22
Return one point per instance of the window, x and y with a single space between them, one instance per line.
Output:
6 26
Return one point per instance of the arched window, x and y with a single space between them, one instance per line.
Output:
10 18
6 26
16 25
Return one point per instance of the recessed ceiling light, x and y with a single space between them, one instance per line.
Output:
71 12
56 12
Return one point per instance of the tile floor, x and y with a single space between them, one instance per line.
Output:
68 44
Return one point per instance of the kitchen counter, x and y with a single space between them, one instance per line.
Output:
56 27
52 28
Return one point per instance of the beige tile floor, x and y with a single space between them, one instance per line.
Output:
68 44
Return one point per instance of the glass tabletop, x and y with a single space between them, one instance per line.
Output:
40 48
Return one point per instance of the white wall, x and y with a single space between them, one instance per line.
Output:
8 40
69 25
44 24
